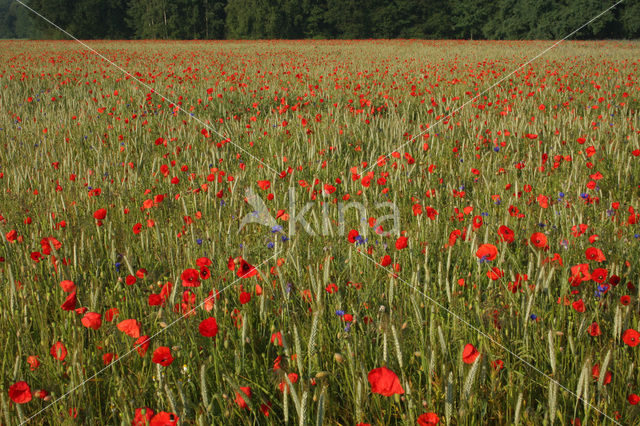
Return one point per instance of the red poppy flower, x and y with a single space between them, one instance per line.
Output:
539 240
246 270
142 416
137 228
108 358
599 275
205 273
428 419
208 327
633 399
20 393
625 300
130 280
203 261
265 408
631 337
487 252
142 345
11 235
100 214
469 354
110 314
595 254
351 236
453 237
239 398
33 362
70 302
495 273
164 419
384 382
190 278
92 320
162 356
401 243
594 330
58 351
579 274
155 300
432 213
67 286
276 338
595 373
264 184
130 327
506 234
385 261
245 297
497 364
578 305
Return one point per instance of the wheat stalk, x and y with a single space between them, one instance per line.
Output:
320 414
285 406
603 370
296 341
303 408
617 324
470 380
203 386
359 400
384 346
516 420
172 401
448 403
553 394
443 344
552 351
394 332
311 347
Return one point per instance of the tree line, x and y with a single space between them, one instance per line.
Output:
322 19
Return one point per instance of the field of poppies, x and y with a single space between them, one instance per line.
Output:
414 262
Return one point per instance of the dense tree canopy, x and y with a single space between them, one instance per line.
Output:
295 19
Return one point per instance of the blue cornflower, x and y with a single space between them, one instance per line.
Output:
270 245
118 264
533 317
339 313
199 241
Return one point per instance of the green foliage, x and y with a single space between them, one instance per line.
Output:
341 19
